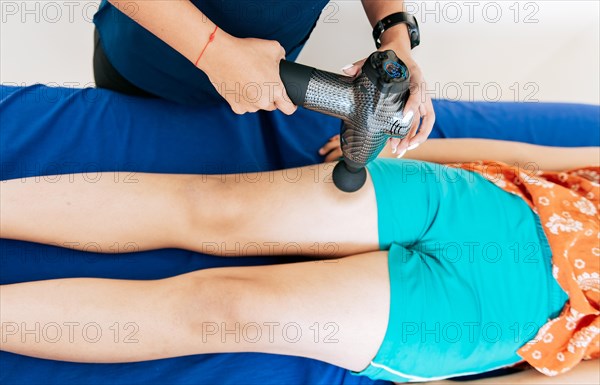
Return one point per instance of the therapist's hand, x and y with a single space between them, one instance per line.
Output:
245 72
419 101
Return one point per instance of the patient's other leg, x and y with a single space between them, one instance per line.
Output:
334 311
283 212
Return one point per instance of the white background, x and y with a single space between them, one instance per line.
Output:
471 50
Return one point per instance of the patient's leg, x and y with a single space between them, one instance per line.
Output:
334 311
295 211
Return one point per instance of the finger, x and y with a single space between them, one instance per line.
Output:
269 107
405 142
353 69
413 103
328 147
401 153
394 142
426 127
237 109
416 97
286 107
334 155
284 103
278 50
350 70
335 137
411 106
264 103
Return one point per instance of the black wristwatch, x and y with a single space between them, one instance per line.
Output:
395 19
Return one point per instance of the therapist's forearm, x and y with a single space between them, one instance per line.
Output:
397 35
176 22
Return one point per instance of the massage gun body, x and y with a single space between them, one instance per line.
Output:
370 105
370 116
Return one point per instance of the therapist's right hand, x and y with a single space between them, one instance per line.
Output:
245 72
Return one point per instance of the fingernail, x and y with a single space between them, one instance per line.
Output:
413 146
407 117
347 67
394 149
401 154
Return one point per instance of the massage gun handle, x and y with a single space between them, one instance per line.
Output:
381 68
295 78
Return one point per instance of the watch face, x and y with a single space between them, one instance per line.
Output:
394 69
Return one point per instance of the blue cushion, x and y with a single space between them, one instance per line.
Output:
549 124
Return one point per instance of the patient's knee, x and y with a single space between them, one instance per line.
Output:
214 208
214 304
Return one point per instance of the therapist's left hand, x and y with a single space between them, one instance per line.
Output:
419 101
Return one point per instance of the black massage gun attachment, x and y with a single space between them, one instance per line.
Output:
347 178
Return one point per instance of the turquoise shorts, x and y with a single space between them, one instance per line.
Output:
469 268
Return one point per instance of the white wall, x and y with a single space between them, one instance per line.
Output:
471 50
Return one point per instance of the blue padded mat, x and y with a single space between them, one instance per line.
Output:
47 131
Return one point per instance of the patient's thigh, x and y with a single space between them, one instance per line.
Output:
332 310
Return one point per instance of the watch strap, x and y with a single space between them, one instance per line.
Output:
394 19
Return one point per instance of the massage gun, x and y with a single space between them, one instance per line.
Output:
370 106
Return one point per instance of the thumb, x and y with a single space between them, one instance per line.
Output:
353 69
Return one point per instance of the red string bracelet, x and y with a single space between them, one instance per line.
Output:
210 39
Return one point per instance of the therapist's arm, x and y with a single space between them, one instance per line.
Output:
397 39
187 30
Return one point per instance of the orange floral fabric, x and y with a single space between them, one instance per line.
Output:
568 205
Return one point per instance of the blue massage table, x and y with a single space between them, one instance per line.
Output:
47 131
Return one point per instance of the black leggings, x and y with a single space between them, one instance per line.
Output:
108 77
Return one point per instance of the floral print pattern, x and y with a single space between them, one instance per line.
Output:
557 223
585 206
